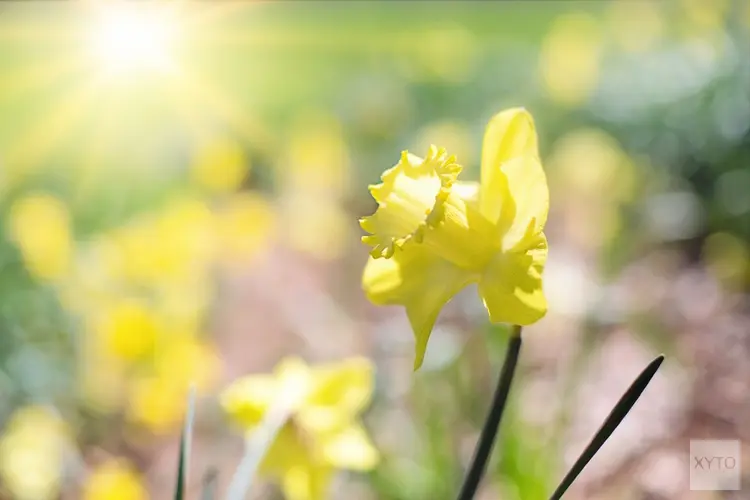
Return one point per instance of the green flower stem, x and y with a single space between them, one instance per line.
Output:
183 463
492 424
621 409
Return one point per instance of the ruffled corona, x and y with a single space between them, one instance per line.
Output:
411 199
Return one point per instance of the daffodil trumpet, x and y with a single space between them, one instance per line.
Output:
433 234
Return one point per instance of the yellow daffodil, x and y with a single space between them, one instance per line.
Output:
114 480
40 225
432 235
163 247
570 58
32 452
322 432
219 166
130 329
244 226
158 401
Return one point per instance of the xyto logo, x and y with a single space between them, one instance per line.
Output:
715 465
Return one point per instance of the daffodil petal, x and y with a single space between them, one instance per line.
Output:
468 191
350 449
529 204
286 451
341 391
509 134
294 381
495 201
247 399
511 287
309 482
418 280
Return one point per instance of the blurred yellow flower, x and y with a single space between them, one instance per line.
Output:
185 227
32 451
317 156
432 235
40 226
245 224
636 26
143 292
134 256
158 400
570 58
703 25
184 304
129 329
187 360
92 278
102 380
323 432
728 258
590 163
593 178
114 480
702 15
158 403
446 54
164 247
219 166
318 227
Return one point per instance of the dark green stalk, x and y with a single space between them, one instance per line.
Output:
187 431
618 413
492 424
179 492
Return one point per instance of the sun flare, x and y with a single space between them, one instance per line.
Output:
133 70
132 38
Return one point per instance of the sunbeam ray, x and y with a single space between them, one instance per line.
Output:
37 77
198 91
32 145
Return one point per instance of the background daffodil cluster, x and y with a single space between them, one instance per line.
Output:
179 208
